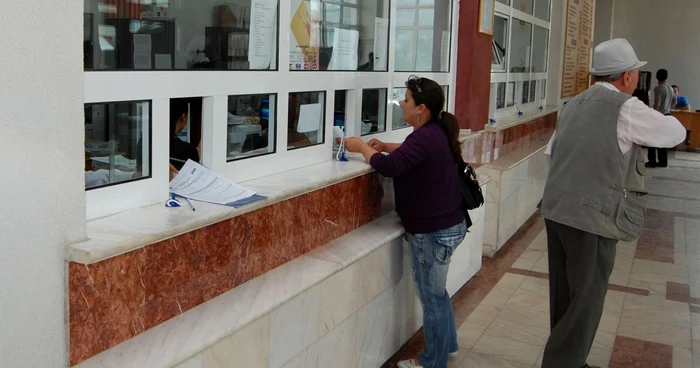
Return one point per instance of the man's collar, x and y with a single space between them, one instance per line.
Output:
607 85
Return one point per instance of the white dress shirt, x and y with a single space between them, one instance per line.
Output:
641 125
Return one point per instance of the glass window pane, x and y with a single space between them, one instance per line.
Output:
404 46
117 142
542 9
373 111
501 95
398 96
511 94
539 50
350 16
401 3
432 51
342 39
500 40
405 17
525 91
524 6
533 90
251 126
507 2
520 43
306 116
339 113
543 89
180 35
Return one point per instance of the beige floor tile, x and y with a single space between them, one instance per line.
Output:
507 349
467 338
539 360
609 323
531 254
695 325
655 332
482 316
614 301
656 301
654 288
682 358
474 360
524 264
510 330
497 297
539 303
541 266
510 281
659 268
599 357
655 277
620 275
604 340
525 316
656 314
534 286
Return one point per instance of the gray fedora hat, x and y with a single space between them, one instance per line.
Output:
615 56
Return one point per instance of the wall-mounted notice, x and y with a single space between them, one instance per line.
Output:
381 42
263 17
344 55
577 47
304 41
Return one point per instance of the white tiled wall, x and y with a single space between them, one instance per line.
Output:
512 199
358 317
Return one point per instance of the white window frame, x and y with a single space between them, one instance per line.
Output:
507 76
215 87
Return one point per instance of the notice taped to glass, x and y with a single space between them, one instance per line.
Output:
578 45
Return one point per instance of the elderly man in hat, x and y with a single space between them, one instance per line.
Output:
594 195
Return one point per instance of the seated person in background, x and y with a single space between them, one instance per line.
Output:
681 102
180 151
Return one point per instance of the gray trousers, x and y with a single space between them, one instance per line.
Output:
580 265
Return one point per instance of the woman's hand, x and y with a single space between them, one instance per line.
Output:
354 144
173 171
377 145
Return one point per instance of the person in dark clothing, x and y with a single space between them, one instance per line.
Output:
180 151
428 200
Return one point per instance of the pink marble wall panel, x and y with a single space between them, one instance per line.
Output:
116 299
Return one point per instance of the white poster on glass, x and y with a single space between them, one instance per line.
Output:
381 42
445 52
310 118
263 16
345 42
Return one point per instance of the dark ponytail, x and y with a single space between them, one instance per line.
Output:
427 92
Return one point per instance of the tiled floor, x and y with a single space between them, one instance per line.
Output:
652 310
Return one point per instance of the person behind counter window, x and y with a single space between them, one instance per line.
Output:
595 195
180 151
681 101
428 200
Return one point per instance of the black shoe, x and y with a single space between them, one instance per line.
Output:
648 164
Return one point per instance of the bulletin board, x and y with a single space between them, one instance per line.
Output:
577 47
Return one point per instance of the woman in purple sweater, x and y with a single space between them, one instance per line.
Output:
428 198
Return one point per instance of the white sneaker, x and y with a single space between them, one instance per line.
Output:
411 363
453 354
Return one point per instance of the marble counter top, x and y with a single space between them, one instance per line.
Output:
134 229
514 158
511 121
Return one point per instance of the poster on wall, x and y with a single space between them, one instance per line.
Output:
304 40
577 47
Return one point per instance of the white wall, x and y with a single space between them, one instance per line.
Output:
43 204
603 21
664 35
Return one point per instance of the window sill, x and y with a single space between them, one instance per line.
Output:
510 121
123 232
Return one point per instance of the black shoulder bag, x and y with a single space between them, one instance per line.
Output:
472 197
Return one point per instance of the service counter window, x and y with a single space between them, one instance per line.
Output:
499 43
373 111
540 44
306 119
250 128
180 35
423 31
398 95
117 142
543 9
524 6
339 35
533 91
520 46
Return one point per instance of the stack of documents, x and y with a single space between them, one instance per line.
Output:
196 182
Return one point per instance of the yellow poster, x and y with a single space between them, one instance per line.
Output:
304 27
577 47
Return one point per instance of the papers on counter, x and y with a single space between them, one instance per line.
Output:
195 181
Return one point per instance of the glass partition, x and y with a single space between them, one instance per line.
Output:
250 126
306 119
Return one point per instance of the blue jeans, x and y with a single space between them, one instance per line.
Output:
430 254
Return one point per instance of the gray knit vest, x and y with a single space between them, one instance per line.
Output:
592 186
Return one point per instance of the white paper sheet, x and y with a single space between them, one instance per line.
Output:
195 181
309 118
344 55
263 14
142 61
381 42
164 61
